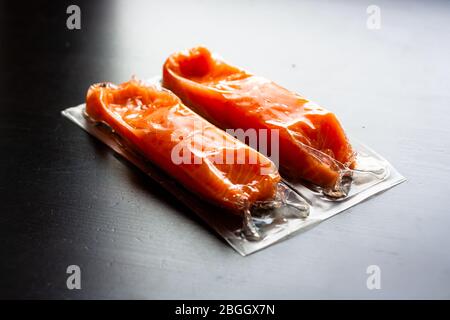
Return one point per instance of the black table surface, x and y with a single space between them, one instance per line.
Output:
67 199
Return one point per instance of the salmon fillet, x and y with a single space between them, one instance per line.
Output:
184 145
312 143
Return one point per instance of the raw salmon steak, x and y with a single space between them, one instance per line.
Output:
197 154
312 143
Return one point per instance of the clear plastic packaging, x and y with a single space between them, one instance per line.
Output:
212 164
311 143
296 207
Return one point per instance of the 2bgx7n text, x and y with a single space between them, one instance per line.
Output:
226 309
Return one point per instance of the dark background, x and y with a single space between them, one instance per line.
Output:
67 199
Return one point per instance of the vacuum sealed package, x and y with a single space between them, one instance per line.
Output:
234 188
315 156
313 146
